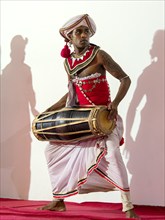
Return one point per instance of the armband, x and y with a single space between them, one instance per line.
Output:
124 77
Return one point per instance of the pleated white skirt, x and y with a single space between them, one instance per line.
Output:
87 166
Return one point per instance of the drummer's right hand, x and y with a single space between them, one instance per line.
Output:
112 107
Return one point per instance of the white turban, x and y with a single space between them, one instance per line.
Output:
77 21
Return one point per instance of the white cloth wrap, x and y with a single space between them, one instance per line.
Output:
69 163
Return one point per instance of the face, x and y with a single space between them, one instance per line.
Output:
80 37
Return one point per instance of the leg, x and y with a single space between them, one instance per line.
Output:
55 205
113 166
131 214
127 205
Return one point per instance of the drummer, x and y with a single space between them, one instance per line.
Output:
88 165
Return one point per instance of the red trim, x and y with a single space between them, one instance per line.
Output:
109 180
65 196
94 167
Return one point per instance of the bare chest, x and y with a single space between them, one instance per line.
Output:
91 69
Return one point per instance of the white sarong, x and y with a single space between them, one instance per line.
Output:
87 166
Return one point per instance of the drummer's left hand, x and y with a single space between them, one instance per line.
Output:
112 107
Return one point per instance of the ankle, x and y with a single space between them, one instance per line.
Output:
57 200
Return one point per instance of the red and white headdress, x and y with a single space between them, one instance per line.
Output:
77 21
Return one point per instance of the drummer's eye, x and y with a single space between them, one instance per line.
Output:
80 31
77 32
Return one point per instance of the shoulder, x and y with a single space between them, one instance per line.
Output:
26 66
103 56
103 53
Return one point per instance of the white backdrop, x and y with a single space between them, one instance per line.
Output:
125 29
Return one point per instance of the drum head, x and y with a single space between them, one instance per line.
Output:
104 124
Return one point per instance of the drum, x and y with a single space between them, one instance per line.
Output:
72 124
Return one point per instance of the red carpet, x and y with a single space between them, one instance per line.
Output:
11 209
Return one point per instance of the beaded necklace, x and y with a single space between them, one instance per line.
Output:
75 57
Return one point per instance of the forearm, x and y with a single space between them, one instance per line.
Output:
58 105
123 88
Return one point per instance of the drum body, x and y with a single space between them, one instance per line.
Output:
72 124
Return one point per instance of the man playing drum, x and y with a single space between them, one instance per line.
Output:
95 164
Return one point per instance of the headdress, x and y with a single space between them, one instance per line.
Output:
69 26
18 43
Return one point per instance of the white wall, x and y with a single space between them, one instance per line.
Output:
125 29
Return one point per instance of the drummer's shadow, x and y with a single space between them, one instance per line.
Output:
17 99
146 151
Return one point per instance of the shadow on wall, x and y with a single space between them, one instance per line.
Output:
17 100
147 151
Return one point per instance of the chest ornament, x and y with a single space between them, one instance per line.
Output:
75 64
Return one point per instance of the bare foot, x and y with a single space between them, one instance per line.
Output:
131 214
54 206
